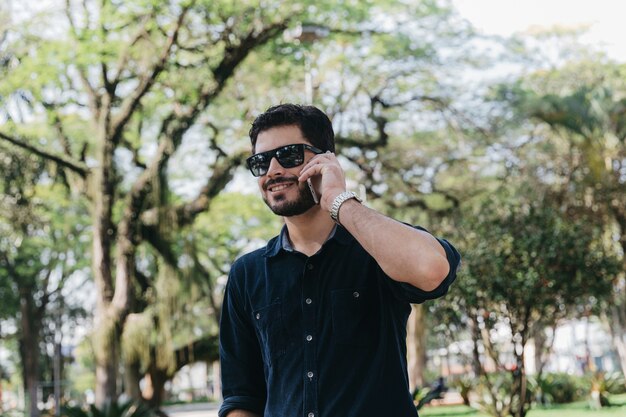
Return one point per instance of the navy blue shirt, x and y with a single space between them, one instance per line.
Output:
319 336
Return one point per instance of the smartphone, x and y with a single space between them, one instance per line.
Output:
313 193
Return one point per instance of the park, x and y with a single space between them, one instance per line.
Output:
124 196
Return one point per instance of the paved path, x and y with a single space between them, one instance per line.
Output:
192 410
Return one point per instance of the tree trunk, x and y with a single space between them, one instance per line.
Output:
107 324
217 381
520 381
520 385
29 348
618 331
539 339
477 366
106 372
617 311
132 376
417 346
154 390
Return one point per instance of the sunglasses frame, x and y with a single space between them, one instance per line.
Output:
271 154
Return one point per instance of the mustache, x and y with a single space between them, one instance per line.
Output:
278 180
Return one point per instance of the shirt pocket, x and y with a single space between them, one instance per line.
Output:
269 325
354 316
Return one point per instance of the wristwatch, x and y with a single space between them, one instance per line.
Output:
339 200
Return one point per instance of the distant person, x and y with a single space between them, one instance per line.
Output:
314 323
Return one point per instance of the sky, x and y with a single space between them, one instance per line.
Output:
505 17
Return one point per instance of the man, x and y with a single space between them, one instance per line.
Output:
314 324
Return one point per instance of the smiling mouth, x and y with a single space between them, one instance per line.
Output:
279 187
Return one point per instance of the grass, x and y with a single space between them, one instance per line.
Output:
577 409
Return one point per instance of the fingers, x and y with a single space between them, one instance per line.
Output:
321 159
318 165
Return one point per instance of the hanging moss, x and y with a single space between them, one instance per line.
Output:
136 339
165 312
104 336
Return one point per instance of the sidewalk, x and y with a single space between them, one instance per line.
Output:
192 410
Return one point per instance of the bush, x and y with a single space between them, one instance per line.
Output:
465 385
560 388
602 385
494 396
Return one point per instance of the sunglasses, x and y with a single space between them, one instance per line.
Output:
287 156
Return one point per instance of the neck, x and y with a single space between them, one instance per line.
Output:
309 231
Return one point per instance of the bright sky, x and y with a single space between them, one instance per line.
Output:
504 17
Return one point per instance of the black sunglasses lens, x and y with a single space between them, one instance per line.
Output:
290 156
259 164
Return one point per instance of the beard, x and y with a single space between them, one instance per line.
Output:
287 208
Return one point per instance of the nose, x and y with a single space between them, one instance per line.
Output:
275 168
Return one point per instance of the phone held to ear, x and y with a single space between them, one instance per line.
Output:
313 193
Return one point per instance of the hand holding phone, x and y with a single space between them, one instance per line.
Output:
313 193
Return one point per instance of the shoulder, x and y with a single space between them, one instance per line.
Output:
253 260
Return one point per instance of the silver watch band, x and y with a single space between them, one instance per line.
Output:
338 201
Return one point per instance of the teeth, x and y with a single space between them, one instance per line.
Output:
278 187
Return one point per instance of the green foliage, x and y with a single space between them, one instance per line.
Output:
422 396
377 72
602 385
464 384
559 388
528 262
529 259
591 115
183 305
110 409
494 394
82 371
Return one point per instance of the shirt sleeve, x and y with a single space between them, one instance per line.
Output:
243 380
408 293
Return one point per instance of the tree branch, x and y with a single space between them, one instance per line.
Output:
177 123
58 125
92 94
205 349
63 161
124 57
222 174
130 104
200 269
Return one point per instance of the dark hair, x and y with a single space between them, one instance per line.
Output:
315 126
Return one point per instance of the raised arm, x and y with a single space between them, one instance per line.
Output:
404 253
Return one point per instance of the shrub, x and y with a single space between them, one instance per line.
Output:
112 409
559 388
604 384
465 385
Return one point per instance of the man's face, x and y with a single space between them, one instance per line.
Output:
280 188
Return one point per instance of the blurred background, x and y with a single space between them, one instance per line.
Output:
499 125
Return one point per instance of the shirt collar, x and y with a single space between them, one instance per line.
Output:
281 242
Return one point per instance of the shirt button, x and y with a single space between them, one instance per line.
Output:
258 316
310 267
356 294
310 415
309 374
309 338
308 301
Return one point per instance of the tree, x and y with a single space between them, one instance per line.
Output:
528 259
38 256
95 104
142 79
585 119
